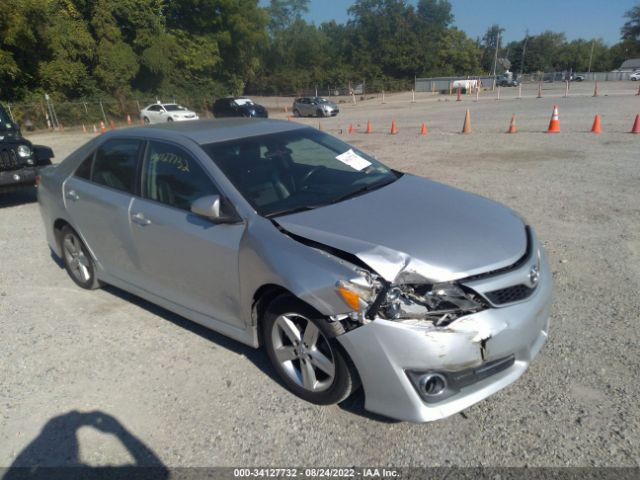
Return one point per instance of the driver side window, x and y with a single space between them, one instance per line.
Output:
173 177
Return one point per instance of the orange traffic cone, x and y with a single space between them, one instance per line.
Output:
142 122
285 109
423 129
128 119
554 124
540 90
596 125
288 118
638 94
595 89
84 129
636 125
61 127
369 128
102 127
459 98
394 128
466 127
95 129
113 125
512 125
350 129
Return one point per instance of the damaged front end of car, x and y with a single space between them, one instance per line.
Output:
428 349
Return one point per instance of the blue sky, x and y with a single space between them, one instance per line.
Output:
577 18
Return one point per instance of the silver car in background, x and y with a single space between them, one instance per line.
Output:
280 236
314 107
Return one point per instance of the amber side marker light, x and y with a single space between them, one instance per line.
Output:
351 298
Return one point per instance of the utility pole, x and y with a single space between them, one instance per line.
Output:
495 59
524 51
593 44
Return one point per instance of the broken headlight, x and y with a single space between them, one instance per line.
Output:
440 303
359 292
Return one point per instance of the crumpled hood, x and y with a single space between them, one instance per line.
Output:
417 230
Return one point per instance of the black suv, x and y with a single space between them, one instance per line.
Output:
238 107
19 158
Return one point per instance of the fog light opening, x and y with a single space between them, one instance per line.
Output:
432 384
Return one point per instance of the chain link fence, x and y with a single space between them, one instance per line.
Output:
52 114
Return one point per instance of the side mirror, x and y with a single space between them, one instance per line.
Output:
161 112
211 208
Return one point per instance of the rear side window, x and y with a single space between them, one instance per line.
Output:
116 163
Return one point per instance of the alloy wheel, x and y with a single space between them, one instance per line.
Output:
303 352
76 259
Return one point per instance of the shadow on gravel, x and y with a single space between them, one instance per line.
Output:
18 197
353 404
257 356
55 453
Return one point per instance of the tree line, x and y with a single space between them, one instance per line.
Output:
75 49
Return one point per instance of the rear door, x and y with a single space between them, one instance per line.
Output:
185 258
98 197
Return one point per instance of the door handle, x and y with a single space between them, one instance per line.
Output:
72 195
139 219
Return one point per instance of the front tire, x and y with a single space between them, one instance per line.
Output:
77 260
303 350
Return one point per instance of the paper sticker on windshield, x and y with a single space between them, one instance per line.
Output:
354 160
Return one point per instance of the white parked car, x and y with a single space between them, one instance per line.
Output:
166 112
635 76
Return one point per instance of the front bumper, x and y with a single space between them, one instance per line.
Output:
385 351
18 178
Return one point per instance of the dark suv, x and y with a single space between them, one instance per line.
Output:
238 107
19 158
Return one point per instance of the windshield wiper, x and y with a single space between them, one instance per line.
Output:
362 190
287 211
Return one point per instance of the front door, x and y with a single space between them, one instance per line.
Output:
186 259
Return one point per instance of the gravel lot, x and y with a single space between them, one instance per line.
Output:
195 398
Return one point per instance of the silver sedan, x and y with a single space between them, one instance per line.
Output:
280 236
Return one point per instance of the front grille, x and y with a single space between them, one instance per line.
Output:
8 159
511 294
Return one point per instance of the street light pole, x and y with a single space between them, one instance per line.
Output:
593 44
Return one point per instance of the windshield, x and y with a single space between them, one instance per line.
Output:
172 107
5 120
297 170
321 100
243 101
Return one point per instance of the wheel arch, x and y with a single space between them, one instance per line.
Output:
58 225
264 296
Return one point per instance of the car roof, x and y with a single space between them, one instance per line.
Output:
211 131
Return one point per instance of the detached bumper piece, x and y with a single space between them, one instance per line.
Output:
435 386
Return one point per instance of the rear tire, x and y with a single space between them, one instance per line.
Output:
77 260
296 113
303 350
146 121
169 119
